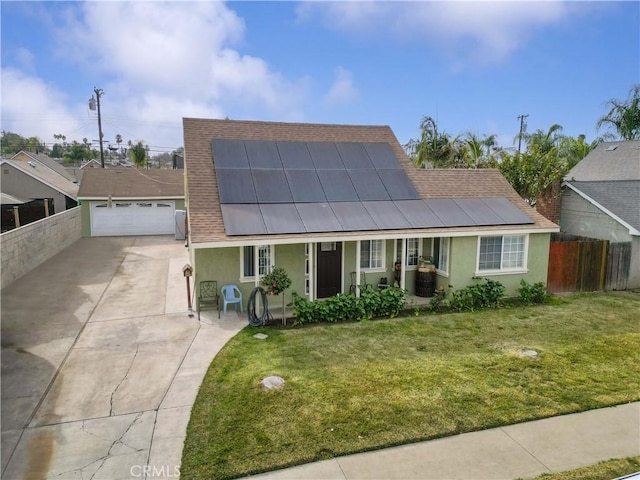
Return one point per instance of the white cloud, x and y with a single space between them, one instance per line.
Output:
478 31
343 89
31 107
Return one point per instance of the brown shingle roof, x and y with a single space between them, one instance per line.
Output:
131 183
205 214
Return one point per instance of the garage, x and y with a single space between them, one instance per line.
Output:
132 218
126 202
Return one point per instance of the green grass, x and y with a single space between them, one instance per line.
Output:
602 471
361 386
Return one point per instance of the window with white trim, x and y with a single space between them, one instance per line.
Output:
247 261
372 254
441 254
502 253
414 251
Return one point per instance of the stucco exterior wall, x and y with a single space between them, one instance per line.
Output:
580 217
21 185
26 247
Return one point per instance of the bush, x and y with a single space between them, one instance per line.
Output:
488 294
341 308
536 293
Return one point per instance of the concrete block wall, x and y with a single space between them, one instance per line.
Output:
24 248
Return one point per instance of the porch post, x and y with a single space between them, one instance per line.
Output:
311 285
357 268
403 259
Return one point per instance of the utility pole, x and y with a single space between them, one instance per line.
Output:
522 127
92 106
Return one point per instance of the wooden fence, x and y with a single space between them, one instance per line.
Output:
580 264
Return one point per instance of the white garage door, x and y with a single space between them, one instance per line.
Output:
132 218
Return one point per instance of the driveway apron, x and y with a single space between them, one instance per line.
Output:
101 362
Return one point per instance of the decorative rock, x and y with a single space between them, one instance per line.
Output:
272 382
529 353
260 336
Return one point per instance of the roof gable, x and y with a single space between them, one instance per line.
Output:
45 161
205 212
131 183
46 176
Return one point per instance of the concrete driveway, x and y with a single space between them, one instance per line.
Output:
101 362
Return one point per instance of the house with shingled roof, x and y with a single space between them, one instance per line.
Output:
601 199
334 203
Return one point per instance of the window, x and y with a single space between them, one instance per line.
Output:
414 251
502 253
247 260
441 254
372 254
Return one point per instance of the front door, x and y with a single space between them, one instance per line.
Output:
329 265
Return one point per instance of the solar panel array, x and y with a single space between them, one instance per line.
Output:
269 187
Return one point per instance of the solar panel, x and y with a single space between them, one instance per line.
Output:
353 216
386 215
507 211
281 218
398 185
353 155
449 212
418 214
324 155
262 154
271 186
305 186
243 220
382 155
318 217
478 211
368 185
337 186
235 186
229 153
294 155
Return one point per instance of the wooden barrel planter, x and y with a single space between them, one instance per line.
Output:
426 281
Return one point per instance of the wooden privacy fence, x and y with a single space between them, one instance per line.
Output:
580 264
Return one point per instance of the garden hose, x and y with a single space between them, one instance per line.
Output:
254 319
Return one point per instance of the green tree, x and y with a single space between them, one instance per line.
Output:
12 143
544 141
432 148
572 150
623 117
532 171
138 154
76 152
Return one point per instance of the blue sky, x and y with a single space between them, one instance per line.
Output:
475 66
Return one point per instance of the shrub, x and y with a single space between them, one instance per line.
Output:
536 293
488 294
276 281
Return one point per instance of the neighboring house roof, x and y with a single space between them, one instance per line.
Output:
45 175
99 183
609 161
609 178
46 161
205 211
93 163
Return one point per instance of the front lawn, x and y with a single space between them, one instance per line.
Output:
361 386
608 470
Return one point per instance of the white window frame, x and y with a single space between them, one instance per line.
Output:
502 270
443 253
383 256
252 278
398 252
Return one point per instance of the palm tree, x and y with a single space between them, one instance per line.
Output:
572 150
544 141
119 141
623 117
138 154
472 150
433 148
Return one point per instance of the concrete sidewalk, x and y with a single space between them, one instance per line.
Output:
524 450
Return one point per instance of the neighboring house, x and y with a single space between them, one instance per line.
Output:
126 201
37 179
323 201
601 199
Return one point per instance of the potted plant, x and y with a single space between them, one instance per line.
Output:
275 283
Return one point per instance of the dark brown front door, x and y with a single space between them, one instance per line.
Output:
329 265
